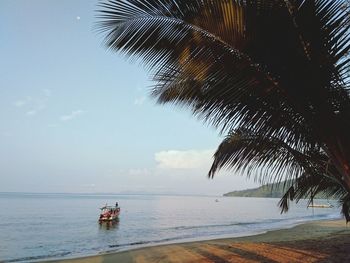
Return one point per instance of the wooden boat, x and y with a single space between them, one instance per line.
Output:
320 205
109 213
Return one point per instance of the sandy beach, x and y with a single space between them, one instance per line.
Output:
321 241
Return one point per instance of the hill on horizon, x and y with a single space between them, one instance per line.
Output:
268 190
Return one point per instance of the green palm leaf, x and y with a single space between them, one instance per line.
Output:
307 187
268 158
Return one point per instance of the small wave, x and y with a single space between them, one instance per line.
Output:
316 217
228 225
130 244
36 258
208 226
164 240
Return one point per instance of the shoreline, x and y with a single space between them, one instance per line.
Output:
315 241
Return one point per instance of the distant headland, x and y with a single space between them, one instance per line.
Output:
268 190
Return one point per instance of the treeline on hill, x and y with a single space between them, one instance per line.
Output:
269 190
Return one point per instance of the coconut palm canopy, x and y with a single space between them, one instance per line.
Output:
272 75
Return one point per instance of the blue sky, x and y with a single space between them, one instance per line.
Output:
77 118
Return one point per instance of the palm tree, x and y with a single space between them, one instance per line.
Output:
272 74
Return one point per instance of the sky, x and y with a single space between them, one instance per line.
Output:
77 118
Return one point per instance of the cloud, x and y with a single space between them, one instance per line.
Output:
31 112
139 101
190 159
34 109
72 115
20 103
33 105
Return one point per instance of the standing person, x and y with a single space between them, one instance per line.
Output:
116 204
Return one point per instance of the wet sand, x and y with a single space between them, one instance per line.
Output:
321 241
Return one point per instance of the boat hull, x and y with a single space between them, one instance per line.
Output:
108 219
109 215
320 206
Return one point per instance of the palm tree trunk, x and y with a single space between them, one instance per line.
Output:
338 152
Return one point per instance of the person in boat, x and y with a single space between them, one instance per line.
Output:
117 207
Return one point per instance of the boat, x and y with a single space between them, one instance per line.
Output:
109 213
320 205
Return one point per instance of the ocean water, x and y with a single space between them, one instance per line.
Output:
35 227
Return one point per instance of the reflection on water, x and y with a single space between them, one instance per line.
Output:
109 225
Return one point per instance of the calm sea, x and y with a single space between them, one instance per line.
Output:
35 227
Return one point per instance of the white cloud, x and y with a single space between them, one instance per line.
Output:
20 103
139 101
33 105
72 115
31 112
39 106
190 159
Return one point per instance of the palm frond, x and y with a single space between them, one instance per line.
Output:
270 159
308 186
203 58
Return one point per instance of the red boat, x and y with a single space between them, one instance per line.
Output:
109 213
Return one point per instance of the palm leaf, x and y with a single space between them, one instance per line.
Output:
233 69
308 186
271 159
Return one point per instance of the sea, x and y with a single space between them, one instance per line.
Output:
36 227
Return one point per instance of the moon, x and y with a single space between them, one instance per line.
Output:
78 17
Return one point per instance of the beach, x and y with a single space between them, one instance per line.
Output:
318 241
